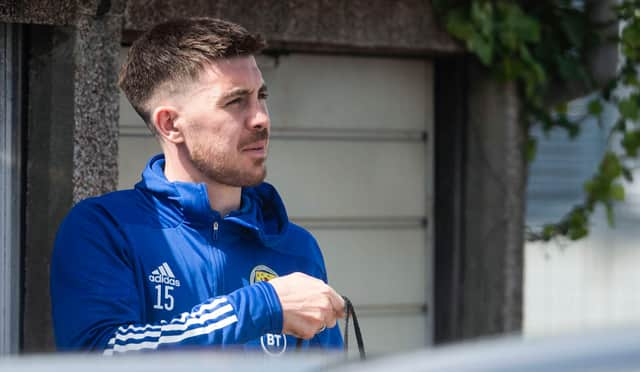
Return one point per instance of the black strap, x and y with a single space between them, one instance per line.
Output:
350 312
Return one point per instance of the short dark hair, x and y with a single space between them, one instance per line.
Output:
178 50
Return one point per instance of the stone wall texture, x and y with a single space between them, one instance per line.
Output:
494 208
72 140
48 12
402 26
95 147
56 12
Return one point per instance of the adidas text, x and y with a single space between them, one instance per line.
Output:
164 280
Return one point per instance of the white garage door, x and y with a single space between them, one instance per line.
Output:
352 157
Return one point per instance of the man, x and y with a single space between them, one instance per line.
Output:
201 252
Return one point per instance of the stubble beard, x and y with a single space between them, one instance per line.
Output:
218 167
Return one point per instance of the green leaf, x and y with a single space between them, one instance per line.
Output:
595 107
539 73
611 218
630 79
517 27
577 221
631 142
630 40
620 126
520 70
548 232
458 25
589 187
617 192
573 130
562 108
610 166
629 108
626 173
482 48
578 232
482 17
529 29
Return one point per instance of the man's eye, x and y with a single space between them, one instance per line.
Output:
234 101
263 95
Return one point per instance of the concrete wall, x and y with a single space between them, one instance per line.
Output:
374 26
72 121
494 208
61 12
480 181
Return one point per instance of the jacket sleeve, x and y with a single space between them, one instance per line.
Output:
225 320
96 306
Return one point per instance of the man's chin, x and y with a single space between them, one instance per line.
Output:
257 180
251 179
239 178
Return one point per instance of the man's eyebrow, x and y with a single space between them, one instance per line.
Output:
238 92
235 92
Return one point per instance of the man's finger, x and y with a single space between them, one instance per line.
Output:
338 304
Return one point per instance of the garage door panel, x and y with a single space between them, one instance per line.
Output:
376 267
389 105
355 180
128 116
312 91
333 187
133 154
339 178
388 334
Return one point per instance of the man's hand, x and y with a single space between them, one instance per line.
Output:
308 304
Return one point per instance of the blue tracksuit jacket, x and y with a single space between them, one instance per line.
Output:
155 267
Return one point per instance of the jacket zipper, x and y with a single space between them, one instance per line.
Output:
215 256
215 230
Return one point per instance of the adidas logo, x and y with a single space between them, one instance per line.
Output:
164 275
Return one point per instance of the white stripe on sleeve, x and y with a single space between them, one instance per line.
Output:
127 337
173 338
183 317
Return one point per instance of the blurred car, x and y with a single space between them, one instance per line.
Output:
611 350
605 350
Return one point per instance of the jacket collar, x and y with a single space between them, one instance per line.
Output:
261 210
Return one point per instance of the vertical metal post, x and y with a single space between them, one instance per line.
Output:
450 149
10 186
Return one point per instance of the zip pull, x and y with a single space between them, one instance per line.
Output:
215 230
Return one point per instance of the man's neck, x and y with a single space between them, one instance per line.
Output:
222 198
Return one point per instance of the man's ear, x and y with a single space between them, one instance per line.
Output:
164 119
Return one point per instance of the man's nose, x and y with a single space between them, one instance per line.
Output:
259 119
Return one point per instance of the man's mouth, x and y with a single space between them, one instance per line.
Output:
260 145
257 148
